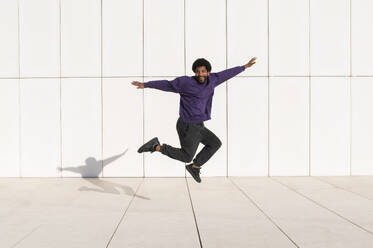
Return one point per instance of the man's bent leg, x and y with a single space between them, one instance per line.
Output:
189 139
183 154
212 144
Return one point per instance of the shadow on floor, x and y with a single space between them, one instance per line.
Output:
90 172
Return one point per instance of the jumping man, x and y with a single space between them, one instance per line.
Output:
195 107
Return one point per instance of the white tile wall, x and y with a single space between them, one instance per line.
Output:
330 37
247 35
122 127
9 127
161 111
330 126
248 127
39 38
81 127
122 38
164 37
125 40
40 127
288 37
81 38
362 37
9 38
362 123
205 33
288 126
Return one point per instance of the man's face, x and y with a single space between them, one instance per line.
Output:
201 74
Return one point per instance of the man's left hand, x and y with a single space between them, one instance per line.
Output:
251 62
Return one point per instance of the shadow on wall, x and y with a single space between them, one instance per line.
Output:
92 167
90 172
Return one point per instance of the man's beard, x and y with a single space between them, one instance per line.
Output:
201 81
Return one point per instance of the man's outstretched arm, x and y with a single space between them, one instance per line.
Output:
229 73
164 85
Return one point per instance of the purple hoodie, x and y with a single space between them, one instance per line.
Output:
195 97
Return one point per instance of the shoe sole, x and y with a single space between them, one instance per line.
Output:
188 169
141 149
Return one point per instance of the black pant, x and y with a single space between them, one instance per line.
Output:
190 135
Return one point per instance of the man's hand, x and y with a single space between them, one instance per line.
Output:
251 62
138 84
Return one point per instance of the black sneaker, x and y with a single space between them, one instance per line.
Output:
149 146
194 172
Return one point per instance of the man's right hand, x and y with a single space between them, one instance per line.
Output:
138 84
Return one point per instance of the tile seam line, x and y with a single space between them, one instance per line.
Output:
323 207
194 214
262 211
19 93
226 91
350 79
60 82
125 211
25 236
309 91
268 92
344 189
185 48
143 79
102 90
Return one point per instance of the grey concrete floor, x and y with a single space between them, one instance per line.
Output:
178 212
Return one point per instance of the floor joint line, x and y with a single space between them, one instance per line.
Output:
324 207
341 188
261 210
125 211
194 214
